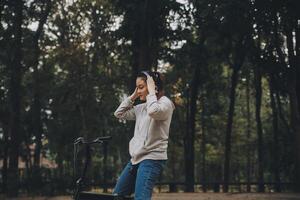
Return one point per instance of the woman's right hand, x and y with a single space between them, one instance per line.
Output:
134 95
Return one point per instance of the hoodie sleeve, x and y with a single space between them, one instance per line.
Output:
125 110
159 110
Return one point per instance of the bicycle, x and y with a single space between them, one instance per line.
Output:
79 193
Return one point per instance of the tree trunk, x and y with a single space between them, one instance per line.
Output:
190 136
105 176
37 121
275 153
234 79
15 101
258 97
248 116
295 119
294 75
145 40
203 149
5 156
297 133
238 55
28 162
295 124
36 113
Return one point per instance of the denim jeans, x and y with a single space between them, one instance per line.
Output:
139 179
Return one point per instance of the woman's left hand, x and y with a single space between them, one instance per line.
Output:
150 85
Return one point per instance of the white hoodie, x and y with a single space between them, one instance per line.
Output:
151 132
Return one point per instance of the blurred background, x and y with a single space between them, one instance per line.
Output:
231 67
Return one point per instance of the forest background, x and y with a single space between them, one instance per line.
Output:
231 67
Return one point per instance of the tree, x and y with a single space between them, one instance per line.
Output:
282 16
258 97
145 25
15 64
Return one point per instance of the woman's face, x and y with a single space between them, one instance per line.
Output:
142 89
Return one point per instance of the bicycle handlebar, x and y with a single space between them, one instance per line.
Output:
81 140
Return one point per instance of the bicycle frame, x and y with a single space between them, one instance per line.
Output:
79 194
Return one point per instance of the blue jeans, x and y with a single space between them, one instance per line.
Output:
139 179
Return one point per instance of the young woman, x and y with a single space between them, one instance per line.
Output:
148 147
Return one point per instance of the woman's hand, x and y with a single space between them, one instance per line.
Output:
134 95
151 85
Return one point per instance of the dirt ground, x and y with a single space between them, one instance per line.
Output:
192 196
228 196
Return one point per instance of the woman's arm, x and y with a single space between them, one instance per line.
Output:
159 110
125 110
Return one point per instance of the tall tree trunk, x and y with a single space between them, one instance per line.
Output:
15 100
297 61
5 156
258 97
36 105
275 153
37 121
190 136
36 127
203 145
234 80
238 55
145 40
294 75
297 58
294 94
28 161
248 116
295 119
138 49
105 174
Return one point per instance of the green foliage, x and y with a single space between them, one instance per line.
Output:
89 50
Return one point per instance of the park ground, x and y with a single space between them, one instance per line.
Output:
192 196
